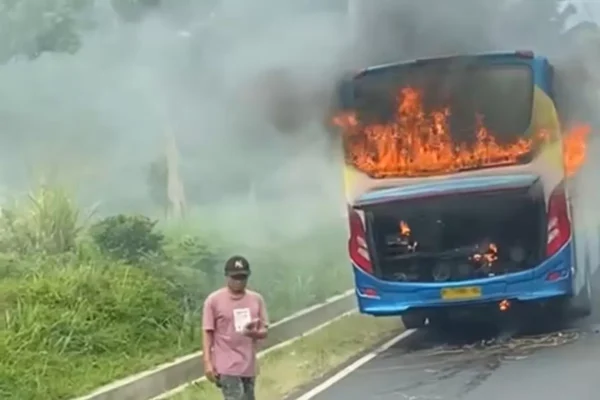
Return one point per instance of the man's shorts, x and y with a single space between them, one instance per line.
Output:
236 387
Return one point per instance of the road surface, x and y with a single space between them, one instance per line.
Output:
556 365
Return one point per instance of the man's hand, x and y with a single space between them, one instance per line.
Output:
251 327
209 372
254 331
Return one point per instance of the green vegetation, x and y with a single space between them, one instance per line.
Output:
85 301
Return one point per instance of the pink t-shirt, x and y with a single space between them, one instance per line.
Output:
233 353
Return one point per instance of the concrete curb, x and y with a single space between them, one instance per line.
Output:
168 377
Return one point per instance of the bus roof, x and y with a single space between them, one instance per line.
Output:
525 54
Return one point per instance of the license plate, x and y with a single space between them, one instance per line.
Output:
461 293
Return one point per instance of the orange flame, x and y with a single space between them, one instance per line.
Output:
575 148
404 229
489 256
420 144
405 238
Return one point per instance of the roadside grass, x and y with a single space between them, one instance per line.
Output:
284 370
68 327
74 317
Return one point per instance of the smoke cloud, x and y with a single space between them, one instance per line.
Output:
243 85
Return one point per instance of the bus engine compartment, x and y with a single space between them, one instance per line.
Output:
457 237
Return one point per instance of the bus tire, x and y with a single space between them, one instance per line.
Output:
413 321
442 323
581 305
587 295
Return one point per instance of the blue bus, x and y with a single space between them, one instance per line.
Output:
462 202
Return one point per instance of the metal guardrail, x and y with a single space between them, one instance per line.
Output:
169 376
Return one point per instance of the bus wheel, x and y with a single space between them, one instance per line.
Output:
443 323
587 296
413 321
582 303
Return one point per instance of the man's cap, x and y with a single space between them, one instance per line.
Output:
237 265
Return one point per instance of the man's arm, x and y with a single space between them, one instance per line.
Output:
208 328
207 345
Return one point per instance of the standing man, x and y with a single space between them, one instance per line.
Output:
234 319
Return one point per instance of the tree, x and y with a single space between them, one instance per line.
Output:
157 181
164 180
29 28
175 188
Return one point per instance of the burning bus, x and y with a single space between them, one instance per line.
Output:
461 177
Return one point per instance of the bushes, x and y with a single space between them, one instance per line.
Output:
47 221
197 265
82 306
127 238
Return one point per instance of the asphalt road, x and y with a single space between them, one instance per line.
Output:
560 363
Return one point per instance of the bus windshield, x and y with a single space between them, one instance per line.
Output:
439 117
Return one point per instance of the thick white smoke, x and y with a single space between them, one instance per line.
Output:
244 86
